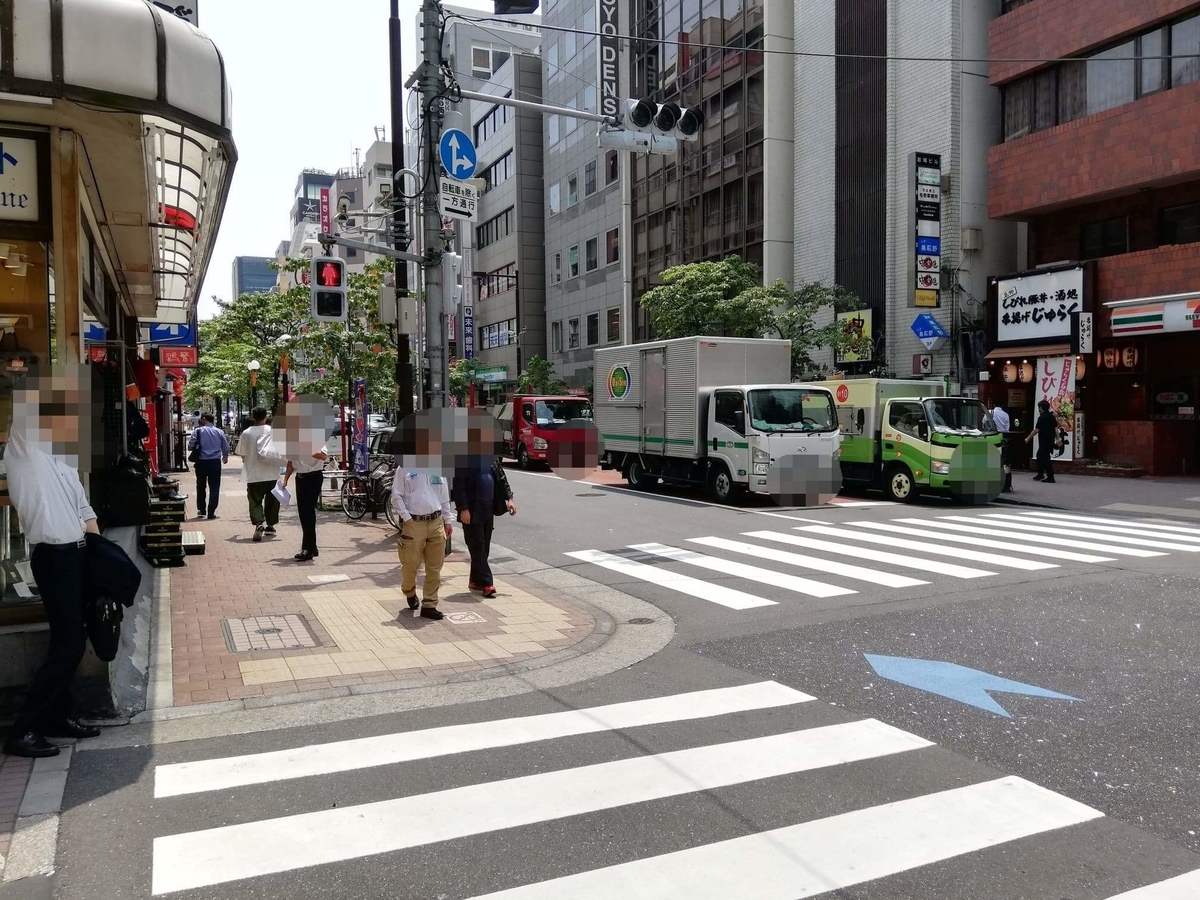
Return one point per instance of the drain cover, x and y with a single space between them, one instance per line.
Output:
286 632
597 494
641 620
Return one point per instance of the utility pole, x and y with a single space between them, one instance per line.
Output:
404 380
432 90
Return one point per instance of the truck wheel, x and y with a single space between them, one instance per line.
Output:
637 477
720 484
523 459
898 484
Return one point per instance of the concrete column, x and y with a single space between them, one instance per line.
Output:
779 143
68 276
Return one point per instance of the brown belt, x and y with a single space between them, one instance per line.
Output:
428 518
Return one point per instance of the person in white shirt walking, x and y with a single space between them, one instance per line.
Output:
260 471
1003 423
305 448
421 497
43 483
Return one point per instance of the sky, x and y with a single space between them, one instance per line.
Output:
310 84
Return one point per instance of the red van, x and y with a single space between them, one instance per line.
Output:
531 423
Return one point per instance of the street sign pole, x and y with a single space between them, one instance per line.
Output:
404 373
431 101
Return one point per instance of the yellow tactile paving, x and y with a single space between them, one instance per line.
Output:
371 641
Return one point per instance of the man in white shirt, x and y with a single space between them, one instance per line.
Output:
1000 417
260 471
1003 423
43 484
305 449
421 497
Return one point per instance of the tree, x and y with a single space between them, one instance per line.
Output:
796 317
709 298
462 375
539 378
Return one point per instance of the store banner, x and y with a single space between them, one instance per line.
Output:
1054 378
1038 306
361 433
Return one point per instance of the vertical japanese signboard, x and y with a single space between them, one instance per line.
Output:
468 335
1055 383
326 221
925 230
607 57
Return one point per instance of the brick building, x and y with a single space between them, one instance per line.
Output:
1101 166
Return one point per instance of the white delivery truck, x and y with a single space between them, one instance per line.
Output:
713 411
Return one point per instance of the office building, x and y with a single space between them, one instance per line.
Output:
584 239
254 275
305 217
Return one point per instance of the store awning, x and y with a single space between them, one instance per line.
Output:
1038 350
133 58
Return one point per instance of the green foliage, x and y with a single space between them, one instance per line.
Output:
725 299
325 358
462 373
539 378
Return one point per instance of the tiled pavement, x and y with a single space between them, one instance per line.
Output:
14 776
348 602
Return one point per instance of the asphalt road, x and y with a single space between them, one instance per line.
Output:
796 771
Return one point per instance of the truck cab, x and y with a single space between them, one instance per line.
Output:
761 437
908 438
531 423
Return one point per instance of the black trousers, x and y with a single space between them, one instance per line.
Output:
308 492
1044 467
59 573
478 536
208 484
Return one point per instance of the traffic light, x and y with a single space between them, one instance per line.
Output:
664 119
327 283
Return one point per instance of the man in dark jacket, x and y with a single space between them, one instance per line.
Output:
1045 429
481 491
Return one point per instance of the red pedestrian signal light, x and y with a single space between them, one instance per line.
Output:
327 282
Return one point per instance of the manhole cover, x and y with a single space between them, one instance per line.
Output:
465 618
640 621
286 632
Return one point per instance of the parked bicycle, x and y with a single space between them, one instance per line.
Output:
371 492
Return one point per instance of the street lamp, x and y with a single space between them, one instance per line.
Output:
253 366
228 379
282 343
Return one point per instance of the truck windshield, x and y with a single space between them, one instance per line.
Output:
955 414
791 409
553 413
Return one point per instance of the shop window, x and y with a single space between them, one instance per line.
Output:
613 317
1108 238
1181 224
593 329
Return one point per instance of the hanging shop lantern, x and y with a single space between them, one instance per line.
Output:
1010 372
1026 371
1129 357
1080 368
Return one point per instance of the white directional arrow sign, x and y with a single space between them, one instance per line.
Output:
457 154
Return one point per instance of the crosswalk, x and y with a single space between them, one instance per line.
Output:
897 554
659 757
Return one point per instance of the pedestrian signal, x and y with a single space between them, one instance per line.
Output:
327 281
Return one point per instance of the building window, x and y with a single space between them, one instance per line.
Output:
552 127
552 59
613 317
485 61
1185 47
592 254
557 269
556 337
612 247
555 199
1153 74
351 253
497 281
572 334
494 229
589 179
593 329
573 262
612 167
499 172
589 96
1111 78
497 117
572 190
1181 224
1108 238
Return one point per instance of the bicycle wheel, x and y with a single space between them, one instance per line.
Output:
355 497
390 511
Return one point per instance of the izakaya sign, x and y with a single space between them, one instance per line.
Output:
1038 306
1055 383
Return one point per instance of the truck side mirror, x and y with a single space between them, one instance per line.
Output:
923 430
861 419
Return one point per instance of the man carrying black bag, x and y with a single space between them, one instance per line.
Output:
481 492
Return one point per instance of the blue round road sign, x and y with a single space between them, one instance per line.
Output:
457 153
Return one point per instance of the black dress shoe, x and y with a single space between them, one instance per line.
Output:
413 601
432 612
304 556
72 728
31 746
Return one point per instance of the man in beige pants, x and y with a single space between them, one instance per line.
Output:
423 503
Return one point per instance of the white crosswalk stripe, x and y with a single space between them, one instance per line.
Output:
1151 524
959 546
795 857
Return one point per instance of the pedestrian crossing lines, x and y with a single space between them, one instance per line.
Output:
786 746
828 561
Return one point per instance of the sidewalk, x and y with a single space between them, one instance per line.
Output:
1179 497
248 621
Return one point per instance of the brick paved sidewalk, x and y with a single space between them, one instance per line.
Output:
247 620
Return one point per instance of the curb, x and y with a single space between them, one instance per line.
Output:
29 868
1009 501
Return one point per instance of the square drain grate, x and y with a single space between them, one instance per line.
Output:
287 632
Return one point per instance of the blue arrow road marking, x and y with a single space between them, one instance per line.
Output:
956 682
6 157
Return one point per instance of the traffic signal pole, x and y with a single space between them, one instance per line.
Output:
404 381
432 84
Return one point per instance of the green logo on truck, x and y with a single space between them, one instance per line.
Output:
618 382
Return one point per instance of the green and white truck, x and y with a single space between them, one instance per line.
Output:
909 438
716 412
